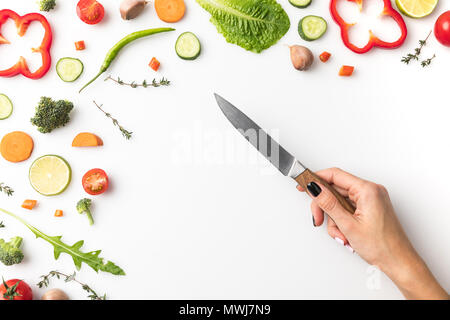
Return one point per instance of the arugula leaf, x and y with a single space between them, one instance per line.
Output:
254 25
92 258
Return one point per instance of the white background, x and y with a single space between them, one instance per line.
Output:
193 211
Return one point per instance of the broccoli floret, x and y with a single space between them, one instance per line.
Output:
10 252
47 5
51 114
84 207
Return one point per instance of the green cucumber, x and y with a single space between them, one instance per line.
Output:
311 28
6 107
188 46
69 69
300 3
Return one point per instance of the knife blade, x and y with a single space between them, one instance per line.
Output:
286 163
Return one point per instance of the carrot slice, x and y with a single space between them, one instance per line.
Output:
59 213
346 71
16 146
87 139
170 10
29 204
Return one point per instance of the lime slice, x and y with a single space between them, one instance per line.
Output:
416 8
50 175
6 107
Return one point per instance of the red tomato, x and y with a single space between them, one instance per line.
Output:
442 29
90 11
9 290
95 181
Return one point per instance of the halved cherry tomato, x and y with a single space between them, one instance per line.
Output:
95 181
15 289
90 11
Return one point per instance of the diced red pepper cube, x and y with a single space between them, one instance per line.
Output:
80 45
154 64
346 71
324 56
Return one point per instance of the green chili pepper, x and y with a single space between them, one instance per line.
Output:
112 54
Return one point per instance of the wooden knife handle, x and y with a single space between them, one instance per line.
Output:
308 176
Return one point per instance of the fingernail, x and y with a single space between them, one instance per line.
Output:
339 240
349 247
314 221
314 189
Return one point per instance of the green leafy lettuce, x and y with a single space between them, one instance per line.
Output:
254 25
92 258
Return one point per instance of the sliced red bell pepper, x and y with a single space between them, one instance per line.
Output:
22 24
374 41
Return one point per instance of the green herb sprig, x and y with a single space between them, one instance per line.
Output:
417 51
5 189
127 134
427 62
144 84
69 278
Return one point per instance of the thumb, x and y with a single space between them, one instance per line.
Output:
329 204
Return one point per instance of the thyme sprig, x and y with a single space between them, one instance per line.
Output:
1 224
69 278
417 51
144 84
5 189
427 62
127 134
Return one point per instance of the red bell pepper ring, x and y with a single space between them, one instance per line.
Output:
374 41
22 24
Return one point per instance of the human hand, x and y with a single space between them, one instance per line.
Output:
373 231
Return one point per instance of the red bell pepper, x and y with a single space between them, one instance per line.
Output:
22 24
374 41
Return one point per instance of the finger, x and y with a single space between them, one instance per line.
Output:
339 178
299 188
335 233
326 200
317 213
341 191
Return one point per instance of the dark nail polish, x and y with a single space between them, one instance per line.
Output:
314 221
314 189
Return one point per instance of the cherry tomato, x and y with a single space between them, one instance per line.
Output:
90 11
9 290
442 29
95 181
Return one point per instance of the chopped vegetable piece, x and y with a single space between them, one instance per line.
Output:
15 289
311 28
92 258
69 69
80 45
29 204
16 146
84 207
90 11
10 252
51 114
50 175
154 64
95 182
188 46
300 3
59 213
47 5
6 107
130 9
114 51
325 56
170 10
87 139
346 71
22 24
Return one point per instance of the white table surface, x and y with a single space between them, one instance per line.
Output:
194 212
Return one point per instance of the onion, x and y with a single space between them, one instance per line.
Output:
55 294
302 58
130 9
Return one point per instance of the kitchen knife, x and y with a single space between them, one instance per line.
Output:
287 164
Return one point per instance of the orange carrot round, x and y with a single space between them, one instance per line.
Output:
170 10
16 146
87 139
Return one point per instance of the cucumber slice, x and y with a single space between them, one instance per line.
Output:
69 69
6 107
300 3
311 28
188 46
